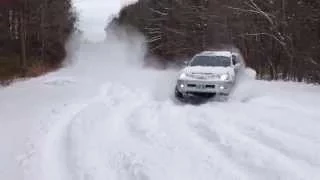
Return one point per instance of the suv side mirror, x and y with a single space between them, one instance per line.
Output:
185 63
234 60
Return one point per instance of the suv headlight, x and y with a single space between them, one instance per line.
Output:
181 84
224 77
183 75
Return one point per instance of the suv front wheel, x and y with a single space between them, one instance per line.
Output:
177 93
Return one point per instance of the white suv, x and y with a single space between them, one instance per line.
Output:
208 74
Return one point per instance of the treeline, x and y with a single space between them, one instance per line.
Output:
278 38
33 34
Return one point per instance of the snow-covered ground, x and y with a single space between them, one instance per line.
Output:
106 116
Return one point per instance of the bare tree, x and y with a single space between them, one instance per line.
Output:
280 39
33 33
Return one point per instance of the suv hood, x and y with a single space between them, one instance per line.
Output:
208 70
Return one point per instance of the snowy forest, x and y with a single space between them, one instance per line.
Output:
33 34
280 39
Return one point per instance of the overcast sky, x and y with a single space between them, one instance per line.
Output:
95 14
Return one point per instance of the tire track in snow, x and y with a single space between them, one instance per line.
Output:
286 142
244 150
56 155
70 142
309 158
169 136
88 157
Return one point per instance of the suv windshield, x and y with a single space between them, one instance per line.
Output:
211 61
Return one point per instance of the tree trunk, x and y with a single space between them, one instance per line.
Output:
23 41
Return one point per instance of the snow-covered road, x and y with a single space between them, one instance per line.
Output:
108 117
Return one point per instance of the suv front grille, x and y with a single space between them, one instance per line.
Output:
191 85
210 86
201 86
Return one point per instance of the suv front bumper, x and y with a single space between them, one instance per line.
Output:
193 87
